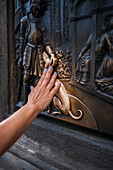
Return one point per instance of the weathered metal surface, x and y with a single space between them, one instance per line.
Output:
81 36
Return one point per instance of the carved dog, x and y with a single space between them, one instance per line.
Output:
61 100
62 103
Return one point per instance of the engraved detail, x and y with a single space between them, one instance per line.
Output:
83 63
104 75
62 103
64 68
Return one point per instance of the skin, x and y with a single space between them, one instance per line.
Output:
39 98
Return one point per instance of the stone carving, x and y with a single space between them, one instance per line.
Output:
33 43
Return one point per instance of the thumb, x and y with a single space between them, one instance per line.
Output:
31 88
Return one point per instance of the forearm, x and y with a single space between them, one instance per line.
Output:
14 126
39 98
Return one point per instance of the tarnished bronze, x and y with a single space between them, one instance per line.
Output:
80 48
62 103
33 43
83 63
104 59
104 75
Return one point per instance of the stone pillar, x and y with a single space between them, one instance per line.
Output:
7 59
12 62
4 88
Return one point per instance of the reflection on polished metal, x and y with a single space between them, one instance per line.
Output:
64 67
83 62
104 59
104 76
62 103
80 47
32 44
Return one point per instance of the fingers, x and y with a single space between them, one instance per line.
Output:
46 82
52 82
31 88
44 92
55 89
42 78
47 77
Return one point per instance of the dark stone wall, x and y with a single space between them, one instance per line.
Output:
4 107
12 69
7 59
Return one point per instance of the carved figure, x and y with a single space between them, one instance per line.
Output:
33 43
61 100
104 76
84 62
103 48
64 64
62 103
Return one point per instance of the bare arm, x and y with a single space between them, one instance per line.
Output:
39 98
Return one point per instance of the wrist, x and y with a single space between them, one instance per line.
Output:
33 108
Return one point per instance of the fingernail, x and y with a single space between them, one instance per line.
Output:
45 70
55 73
59 83
50 67
31 87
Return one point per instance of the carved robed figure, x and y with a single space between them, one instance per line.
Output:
33 43
104 76
103 58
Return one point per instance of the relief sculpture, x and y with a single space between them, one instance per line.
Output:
64 67
33 43
51 33
36 55
104 75
83 63
84 58
103 59
62 101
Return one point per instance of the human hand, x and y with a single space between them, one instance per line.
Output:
54 60
42 95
